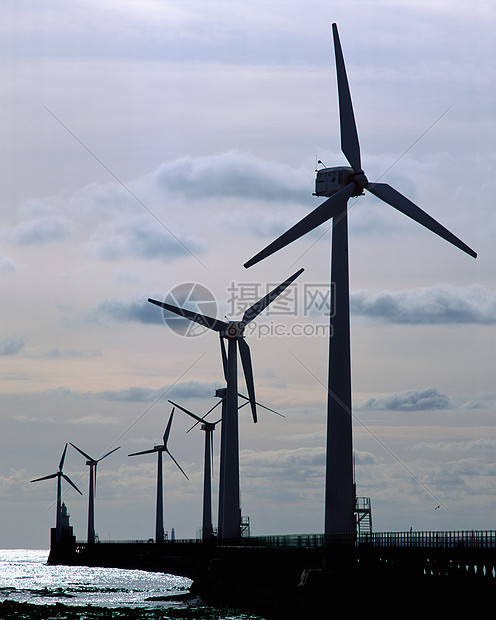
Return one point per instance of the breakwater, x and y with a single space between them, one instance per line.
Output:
283 577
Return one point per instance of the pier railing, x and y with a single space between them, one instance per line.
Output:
467 539
472 539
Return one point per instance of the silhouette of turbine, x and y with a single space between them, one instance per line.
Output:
208 427
221 393
92 490
229 525
340 184
159 515
59 475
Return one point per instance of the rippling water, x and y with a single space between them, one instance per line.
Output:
31 589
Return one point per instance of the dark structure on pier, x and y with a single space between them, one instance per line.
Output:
289 577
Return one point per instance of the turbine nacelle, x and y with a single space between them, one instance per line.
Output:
235 330
330 180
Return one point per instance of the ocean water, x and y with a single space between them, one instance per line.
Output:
30 589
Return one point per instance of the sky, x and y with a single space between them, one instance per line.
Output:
148 149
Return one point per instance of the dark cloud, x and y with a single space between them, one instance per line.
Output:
11 346
433 305
409 400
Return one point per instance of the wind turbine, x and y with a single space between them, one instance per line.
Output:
229 524
59 475
221 393
92 490
159 517
208 427
340 184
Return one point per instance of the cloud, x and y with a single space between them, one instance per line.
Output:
192 389
284 459
481 400
133 394
431 305
232 175
140 238
409 400
57 353
93 420
41 231
134 309
6 264
364 458
11 346
470 445
11 484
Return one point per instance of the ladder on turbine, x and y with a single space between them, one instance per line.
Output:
245 527
363 515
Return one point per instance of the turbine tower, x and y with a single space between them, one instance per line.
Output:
339 184
208 427
59 475
229 525
159 515
92 490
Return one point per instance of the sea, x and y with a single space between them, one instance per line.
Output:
31 589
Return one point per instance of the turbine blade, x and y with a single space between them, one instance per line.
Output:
224 356
349 135
261 304
71 483
193 415
260 405
201 319
244 351
203 419
96 467
388 194
107 454
143 452
328 209
168 429
87 456
177 464
61 464
44 478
